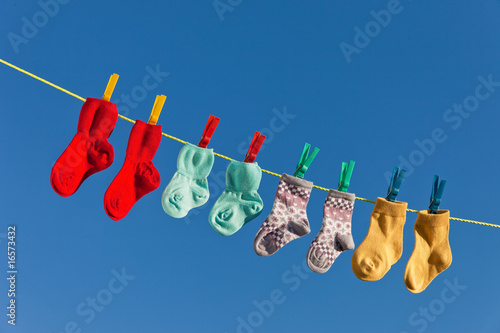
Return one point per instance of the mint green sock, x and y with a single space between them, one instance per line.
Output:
189 186
239 203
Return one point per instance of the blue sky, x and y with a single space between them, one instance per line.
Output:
395 99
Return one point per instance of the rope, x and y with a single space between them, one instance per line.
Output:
220 155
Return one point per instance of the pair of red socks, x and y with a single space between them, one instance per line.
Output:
90 152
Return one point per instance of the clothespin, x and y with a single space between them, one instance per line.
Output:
305 161
209 131
345 175
253 150
436 194
155 113
396 180
110 87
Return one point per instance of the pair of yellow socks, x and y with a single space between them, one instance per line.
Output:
383 245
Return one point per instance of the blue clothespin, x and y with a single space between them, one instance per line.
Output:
345 175
436 194
396 180
305 160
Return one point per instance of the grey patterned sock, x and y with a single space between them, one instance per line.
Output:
335 234
288 218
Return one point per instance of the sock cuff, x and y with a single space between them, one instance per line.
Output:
88 114
425 218
144 141
243 176
386 207
299 182
339 200
341 195
195 162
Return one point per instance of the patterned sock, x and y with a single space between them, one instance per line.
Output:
432 252
138 176
383 245
188 188
239 203
89 151
335 234
288 218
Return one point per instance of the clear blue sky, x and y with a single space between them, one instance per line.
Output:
375 104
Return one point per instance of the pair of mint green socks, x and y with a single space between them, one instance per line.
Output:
237 205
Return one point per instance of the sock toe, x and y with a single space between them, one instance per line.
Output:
368 269
264 244
111 208
413 284
267 244
172 208
63 181
317 261
116 207
225 228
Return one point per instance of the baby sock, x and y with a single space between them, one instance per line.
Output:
432 252
288 218
188 188
335 234
138 176
383 245
239 203
89 151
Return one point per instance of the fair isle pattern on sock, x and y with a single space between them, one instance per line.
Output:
288 218
335 235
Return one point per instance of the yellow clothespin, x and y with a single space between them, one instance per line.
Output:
110 87
155 113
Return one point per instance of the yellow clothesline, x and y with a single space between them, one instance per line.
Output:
216 154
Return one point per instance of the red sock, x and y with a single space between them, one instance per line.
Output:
138 176
89 151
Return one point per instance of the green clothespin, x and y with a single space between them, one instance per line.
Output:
396 180
305 161
345 175
436 194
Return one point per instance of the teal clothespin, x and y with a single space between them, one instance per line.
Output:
436 194
396 180
305 161
345 175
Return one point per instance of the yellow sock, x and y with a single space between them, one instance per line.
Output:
383 245
432 252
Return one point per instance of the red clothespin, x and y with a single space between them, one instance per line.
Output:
209 131
253 150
